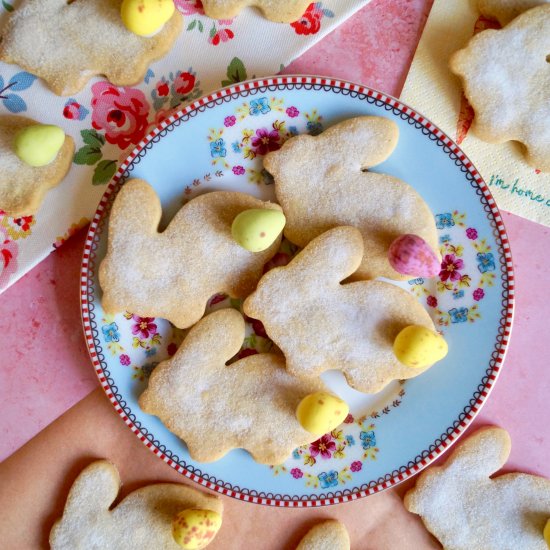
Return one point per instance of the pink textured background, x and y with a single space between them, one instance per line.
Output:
44 365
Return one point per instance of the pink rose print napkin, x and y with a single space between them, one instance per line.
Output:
107 122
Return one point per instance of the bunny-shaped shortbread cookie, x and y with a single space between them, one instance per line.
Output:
215 407
320 324
466 509
322 182
45 38
173 274
141 521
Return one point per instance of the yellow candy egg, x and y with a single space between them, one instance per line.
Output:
546 533
195 529
321 412
257 229
38 145
146 17
418 347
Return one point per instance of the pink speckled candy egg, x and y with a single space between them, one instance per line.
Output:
411 255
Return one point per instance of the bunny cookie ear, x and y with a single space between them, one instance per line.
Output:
332 256
222 330
369 140
91 495
483 453
136 210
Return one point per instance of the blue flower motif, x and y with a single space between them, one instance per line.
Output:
485 262
296 454
150 352
417 281
236 146
259 106
292 130
457 294
459 315
444 239
314 128
350 440
111 332
328 480
444 220
368 439
217 148
14 103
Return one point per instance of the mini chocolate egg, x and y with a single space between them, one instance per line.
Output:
418 347
257 229
38 145
146 17
411 255
546 533
194 529
321 412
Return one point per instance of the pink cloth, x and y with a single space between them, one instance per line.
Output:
44 365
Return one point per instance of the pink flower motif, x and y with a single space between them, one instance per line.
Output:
72 110
356 466
296 473
189 7
144 326
349 419
238 170
265 141
171 349
8 257
163 89
280 259
222 35
292 112
450 268
229 121
324 446
471 233
121 112
431 301
478 294
124 360
217 298
310 22
184 83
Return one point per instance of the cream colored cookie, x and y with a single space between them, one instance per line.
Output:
329 535
213 407
173 274
141 521
322 182
506 78
506 10
23 187
466 509
275 10
320 324
47 38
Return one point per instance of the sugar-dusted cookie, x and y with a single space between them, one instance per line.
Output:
466 509
141 521
506 10
22 186
328 535
213 407
173 274
320 324
506 78
47 38
322 182
275 10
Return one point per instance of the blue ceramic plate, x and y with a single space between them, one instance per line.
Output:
218 143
